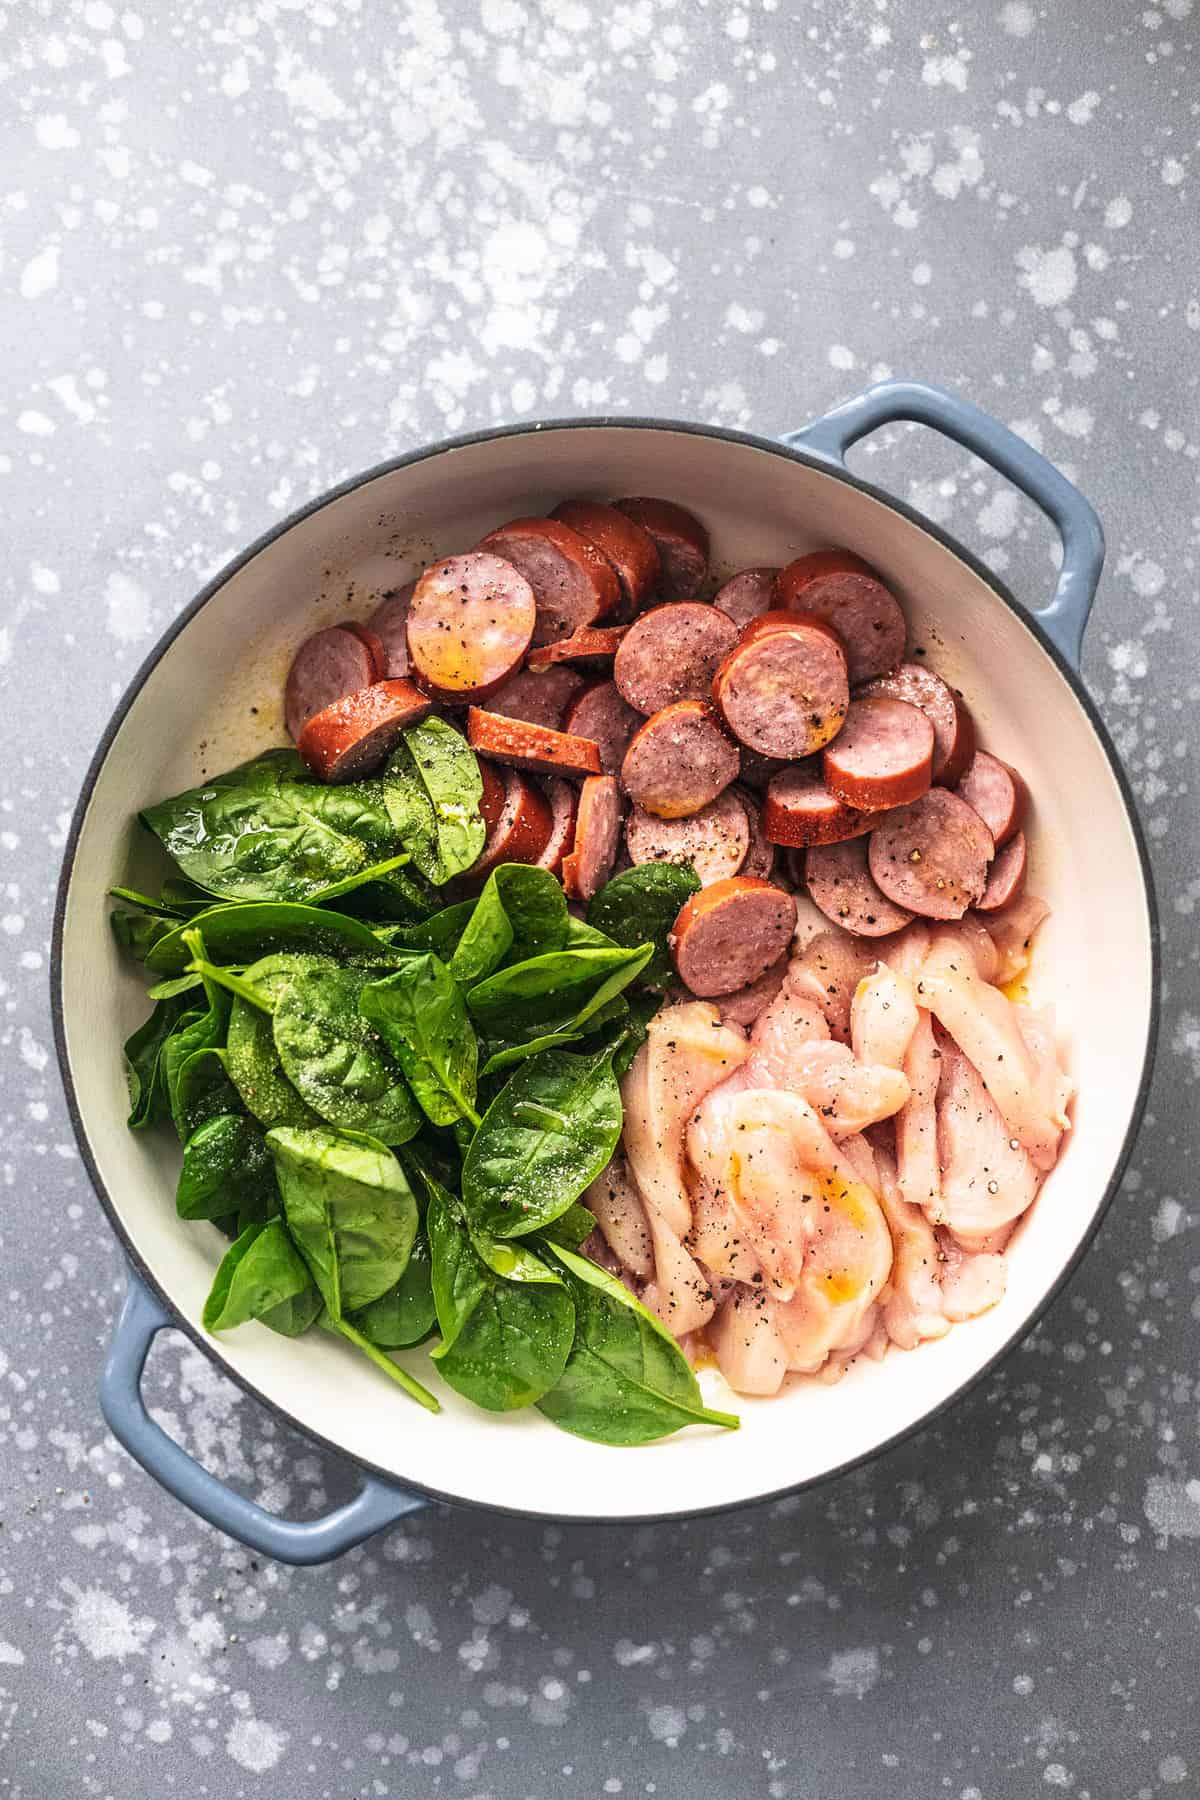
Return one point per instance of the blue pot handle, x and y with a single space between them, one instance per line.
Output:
287 1540
1066 617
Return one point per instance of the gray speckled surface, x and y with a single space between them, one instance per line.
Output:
247 251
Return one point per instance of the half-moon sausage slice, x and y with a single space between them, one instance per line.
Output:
389 621
932 857
573 584
715 840
672 653
525 746
1006 876
629 548
600 713
522 831
597 838
679 761
491 804
839 881
590 643
882 756
953 728
540 697
564 807
996 792
327 666
783 691
848 594
800 810
680 539
470 621
748 594
352 737
730 934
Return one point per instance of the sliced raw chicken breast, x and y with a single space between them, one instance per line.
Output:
745 1340
1012 931
621 1216
919 1176
790 1048
988 1178
883 1017
913 1305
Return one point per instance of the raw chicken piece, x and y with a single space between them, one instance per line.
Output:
716 1239
1037 1028
913 1306
919 1177
870 1345
680 1293
790 1048
1012 930
985 1027
973 1281
758 1154
883 1017
791 1021
987 1178
906 951
978 940
621 1216
848 1262
746 1343
828 970
858 1152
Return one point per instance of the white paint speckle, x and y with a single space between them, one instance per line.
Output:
256 1745
1018 18
852 1673
40 273
1049 276
127 607
10 1654
1118 212
1173 1507
105 1626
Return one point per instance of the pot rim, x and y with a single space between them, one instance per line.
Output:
822 464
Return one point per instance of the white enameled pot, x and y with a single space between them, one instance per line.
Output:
210 695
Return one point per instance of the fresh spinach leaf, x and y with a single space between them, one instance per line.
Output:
640 906
148 1100
171 985
572 1228
420 1016
561 1016
197 1029
626 1380
138 933
262 1276
250 1053
441 933
433 788
505 1317
547 1134
336 1060
406 1313
521 912
360 878
350 1211
203 1089
582 936
227 1168
148 903
244 932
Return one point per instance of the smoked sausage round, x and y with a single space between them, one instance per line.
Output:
882 756
572 583
678 761
730 934
470 622
932 857
847 593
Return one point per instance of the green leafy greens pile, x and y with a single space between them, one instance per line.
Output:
392 1106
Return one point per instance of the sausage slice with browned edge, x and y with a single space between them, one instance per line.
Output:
679 761
800 810
846 592
470 622
672 653
327 666
564 807
590 643
525 746
601 714
491 803
715 841
748 594
588 865
932 857
1006 877
730 934
354 735
572 582
882 756
539 696
629 548
784 691
996 792
679 538
953 728
839 881
522 830
389 622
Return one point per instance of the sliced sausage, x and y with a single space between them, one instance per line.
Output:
389 621
730 934
800 810
573 584
840 882
589 863
882 756
953 727
714 841
996 792
784 691
564 807
744 1007
672 653
758 770
627 545
760 856
470 622
523 746
1006 877
679 761
591 643
848 594
932 857
491 803
373 644
679 538
352 737
522 831
327 666
540 697
600 713
748 594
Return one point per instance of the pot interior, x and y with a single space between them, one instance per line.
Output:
213 697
